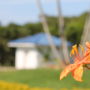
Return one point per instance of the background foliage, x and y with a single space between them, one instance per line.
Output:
73 31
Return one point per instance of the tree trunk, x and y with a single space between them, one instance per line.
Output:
61 31
86 32
49 37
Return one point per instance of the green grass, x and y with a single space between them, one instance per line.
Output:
45 78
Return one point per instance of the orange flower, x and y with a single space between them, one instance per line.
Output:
79 61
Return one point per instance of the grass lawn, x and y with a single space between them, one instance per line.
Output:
44 78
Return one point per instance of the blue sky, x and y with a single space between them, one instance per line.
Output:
23 11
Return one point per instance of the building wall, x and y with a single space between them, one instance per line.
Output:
27 58
19 58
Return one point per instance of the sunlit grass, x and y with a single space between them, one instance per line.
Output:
46 78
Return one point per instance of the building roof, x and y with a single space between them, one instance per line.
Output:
37 39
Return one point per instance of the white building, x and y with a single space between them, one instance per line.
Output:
27 56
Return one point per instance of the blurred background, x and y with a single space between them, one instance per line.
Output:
36 37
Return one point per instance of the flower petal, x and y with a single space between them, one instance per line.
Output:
87 60
88 45
66 71
78 73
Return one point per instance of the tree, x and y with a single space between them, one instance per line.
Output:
49 37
